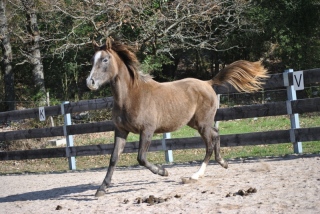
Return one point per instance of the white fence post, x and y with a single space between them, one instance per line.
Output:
216 123
67 121
168 153
294 118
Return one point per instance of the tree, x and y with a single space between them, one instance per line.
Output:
173 39
6 59
163 30
291 27
33 54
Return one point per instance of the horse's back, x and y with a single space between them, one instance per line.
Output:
195 91
190 86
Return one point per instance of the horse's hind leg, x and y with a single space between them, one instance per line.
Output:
212 140
216 147
119 143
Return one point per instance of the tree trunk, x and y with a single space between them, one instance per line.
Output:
35 55
6 66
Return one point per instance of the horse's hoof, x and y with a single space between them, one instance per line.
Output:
225 165
100 193
163 172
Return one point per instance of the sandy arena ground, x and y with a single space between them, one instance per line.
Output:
284 185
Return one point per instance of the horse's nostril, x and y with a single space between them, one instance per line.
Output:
92 82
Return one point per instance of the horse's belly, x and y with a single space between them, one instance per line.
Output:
169 124
123 124
166 129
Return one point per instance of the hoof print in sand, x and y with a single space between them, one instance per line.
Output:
151 200
59 207
242 192
188 180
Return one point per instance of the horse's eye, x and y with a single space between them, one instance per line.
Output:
105 60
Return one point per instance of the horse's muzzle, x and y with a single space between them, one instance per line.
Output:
91 84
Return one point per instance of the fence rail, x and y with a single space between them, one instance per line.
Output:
257 138
260 110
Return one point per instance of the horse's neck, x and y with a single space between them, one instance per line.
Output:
121 87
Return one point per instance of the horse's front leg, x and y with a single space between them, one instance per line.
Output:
144 143
119 143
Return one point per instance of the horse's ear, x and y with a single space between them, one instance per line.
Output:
95 45
109 43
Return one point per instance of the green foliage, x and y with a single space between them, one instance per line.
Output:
294 27
130 32
153 64
287 32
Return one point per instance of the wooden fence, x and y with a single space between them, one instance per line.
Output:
258 138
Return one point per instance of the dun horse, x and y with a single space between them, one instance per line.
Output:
144 106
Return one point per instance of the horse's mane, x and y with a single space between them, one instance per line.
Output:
129 58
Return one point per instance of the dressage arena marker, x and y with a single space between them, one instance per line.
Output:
42 114
292 95
298 81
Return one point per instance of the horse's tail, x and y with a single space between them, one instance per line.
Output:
243 75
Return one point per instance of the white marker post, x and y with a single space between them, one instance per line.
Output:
216 124
292 95
42 114
67 121
168 153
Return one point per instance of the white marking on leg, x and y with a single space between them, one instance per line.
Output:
200 172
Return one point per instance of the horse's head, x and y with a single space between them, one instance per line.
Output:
104 66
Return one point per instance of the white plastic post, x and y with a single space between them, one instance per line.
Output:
294 118
216 124
69 138
168 153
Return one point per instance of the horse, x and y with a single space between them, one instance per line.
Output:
145 106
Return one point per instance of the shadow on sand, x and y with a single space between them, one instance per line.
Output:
55 193
76 192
